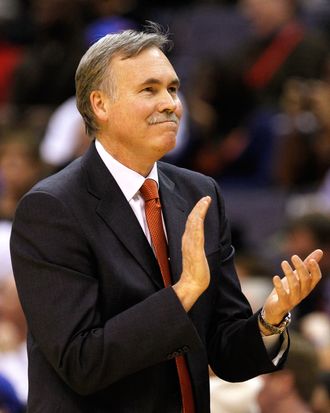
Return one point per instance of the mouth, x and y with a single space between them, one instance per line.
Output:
169 124
168 121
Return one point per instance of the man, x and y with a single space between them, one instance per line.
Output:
13 356
282 49
104 333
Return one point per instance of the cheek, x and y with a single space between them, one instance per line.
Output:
139 113
179 108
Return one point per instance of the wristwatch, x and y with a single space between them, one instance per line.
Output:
275 329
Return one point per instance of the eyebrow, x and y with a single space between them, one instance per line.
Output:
154 81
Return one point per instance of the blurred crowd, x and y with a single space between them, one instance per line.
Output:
256 90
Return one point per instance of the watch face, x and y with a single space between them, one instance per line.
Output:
287 320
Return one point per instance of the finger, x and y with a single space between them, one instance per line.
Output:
315 255
198 213
200 209
292 279
315 272
281 292
303 276
194 231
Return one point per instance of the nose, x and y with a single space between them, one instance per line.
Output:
168 102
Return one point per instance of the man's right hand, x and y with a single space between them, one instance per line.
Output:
195 277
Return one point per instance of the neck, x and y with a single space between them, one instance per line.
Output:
141 165
272 28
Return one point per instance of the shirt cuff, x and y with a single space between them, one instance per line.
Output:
276 345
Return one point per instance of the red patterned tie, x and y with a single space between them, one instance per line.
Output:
149 192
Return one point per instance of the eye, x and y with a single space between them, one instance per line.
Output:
148 89
173 90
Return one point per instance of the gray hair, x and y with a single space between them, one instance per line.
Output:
94 71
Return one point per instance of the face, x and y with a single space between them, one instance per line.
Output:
18 171
48 12
140 124
300 241
266 15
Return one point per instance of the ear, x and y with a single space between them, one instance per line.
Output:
99 102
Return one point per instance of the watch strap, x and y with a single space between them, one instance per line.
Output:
275 329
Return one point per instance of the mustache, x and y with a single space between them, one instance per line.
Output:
163 117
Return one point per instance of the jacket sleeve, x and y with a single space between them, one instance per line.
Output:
58 286
235 347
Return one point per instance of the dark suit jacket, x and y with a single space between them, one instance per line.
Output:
103 332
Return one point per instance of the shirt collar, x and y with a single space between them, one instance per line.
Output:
128 180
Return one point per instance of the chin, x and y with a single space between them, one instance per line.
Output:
170 142
165 147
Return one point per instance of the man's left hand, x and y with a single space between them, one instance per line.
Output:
300 279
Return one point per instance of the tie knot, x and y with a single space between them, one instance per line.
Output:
149 190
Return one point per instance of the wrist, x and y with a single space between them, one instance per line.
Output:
187 293
268 328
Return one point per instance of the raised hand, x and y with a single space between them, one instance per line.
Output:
195 277
299 280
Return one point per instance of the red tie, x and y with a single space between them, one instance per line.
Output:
149 192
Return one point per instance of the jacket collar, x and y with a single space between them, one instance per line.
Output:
114 209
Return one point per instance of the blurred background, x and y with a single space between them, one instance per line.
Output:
256 90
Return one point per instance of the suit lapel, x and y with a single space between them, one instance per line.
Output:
175 214
114 209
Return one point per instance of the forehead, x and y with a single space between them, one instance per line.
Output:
150 63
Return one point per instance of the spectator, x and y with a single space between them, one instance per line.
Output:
5 268
13 355
12 37
20 168
291 390
46 74
283 48
303 156
238 97
110 16
9 402
65 137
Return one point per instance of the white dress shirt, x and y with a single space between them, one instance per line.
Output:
130 183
